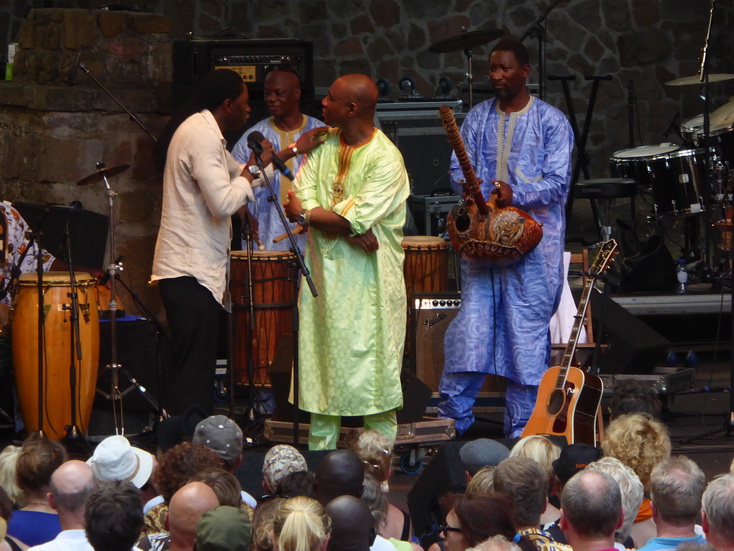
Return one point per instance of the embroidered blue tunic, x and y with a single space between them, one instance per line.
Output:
503 325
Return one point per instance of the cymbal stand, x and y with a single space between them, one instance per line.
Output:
469 53
257 150
537 30
252 323
75 342
112 269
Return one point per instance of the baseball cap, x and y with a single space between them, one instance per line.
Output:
223 529
279 462
221 434
482 452
575 458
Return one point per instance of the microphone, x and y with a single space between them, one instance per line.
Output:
73 73
106 276
254 140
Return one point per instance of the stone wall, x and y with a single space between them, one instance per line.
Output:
645 42
57 123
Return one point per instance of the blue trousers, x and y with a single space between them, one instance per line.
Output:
458 392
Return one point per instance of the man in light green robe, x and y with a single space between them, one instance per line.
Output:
351 194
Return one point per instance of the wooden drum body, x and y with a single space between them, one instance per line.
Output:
274 299
426 264
57 351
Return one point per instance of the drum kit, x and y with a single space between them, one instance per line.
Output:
689 180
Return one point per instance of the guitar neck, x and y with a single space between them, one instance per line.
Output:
573 338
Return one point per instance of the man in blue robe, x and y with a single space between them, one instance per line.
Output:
520 147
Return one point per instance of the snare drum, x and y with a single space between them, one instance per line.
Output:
426 264
642 164
674 175
56 352
274 299
722 136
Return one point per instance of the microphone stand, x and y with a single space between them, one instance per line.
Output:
257 150
537 30
75 342
133 118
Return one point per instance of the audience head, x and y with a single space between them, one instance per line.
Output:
224 484
185 509
351 524
178 428
39 458
632 396
70 487
279 462
262 523
496 543
340 473
375 499
717 511
114 516
473 518
374 449
591 507
543 451
222 435
638 441
676 487
297 484
114 459
300 525
223 528
9 474
574 458
526 483
630 488
180 464
482 452
482 482
6 505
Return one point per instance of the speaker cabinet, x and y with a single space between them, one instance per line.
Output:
430 315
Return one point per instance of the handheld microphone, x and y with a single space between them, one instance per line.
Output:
254 140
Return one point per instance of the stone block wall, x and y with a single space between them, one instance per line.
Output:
57 123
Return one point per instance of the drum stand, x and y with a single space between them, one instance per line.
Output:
257 150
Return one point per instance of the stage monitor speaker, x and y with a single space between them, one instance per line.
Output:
633 347
430 316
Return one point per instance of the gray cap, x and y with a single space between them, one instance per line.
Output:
482 452
222 435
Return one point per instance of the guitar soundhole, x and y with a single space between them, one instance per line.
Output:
555 402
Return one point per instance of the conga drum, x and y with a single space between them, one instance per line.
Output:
274 298
426 264
57 358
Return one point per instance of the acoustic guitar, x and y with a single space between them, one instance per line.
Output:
569 397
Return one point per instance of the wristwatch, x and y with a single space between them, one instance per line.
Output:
254 170
303 217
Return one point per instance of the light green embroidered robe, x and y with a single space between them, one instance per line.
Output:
352 335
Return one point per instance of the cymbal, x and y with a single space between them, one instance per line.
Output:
97 176
465 41
724 115
696 79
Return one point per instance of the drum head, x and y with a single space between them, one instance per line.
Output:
55 278
645 151
262 255
423 241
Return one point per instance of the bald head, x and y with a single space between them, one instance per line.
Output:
351 524
185 509
340 473
362 91
71 485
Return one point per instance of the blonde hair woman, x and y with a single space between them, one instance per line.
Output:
544 452
301 525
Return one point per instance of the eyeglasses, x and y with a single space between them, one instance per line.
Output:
446 528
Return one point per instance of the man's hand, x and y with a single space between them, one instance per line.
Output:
503 192
293 207
312 139
367 241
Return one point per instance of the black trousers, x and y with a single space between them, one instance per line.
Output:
193 319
